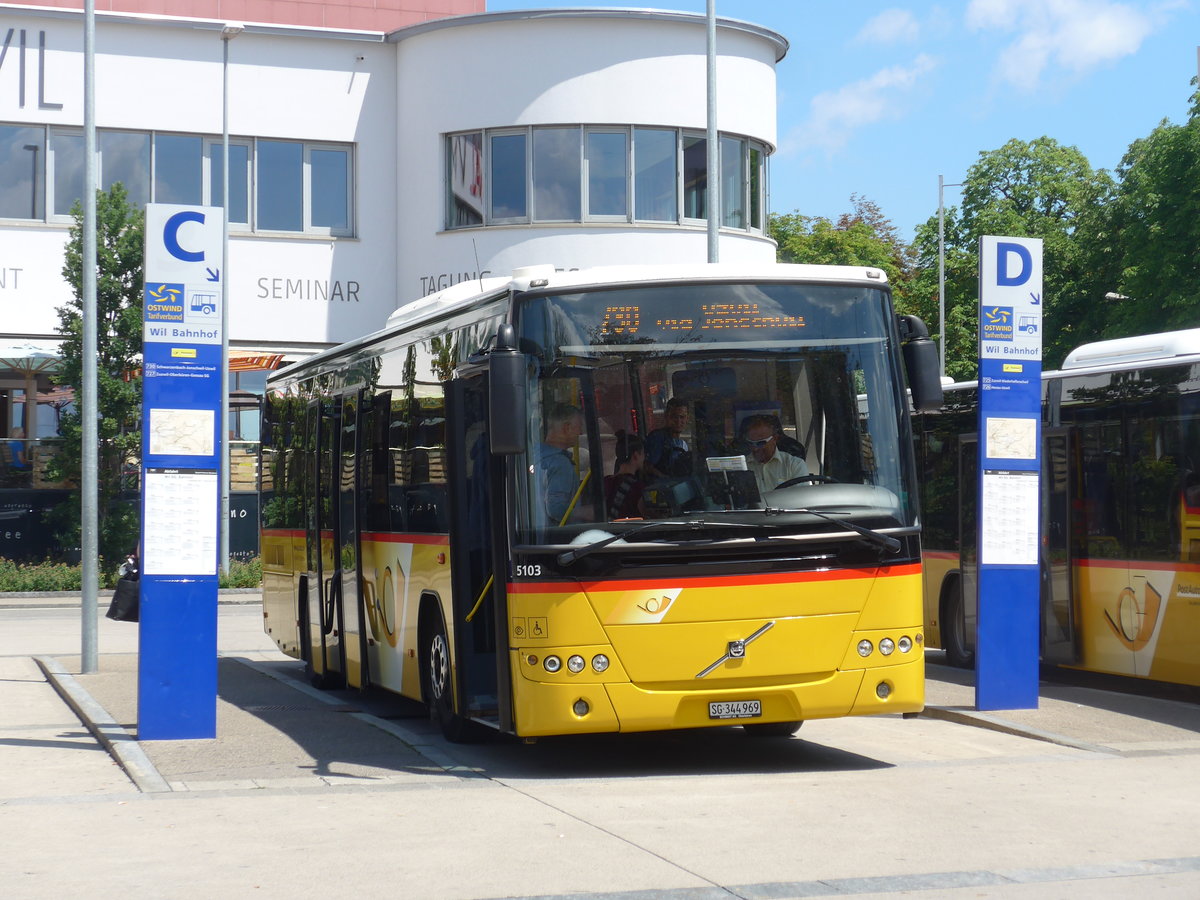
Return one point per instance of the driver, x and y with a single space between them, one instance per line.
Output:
770 465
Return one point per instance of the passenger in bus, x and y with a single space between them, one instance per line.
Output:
667 451
623 489
771 465
556 466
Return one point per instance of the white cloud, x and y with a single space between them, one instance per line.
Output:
892 26
1072 35
836 115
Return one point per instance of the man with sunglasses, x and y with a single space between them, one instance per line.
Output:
770 465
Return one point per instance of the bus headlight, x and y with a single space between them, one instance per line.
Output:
865 647
905 644
552 664
887 646
599 663
575 664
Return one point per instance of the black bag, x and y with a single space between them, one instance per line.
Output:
124 606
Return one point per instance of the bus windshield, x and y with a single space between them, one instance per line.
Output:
712 399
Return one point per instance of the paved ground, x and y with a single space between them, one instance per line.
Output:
299 778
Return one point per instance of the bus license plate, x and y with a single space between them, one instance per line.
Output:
735 709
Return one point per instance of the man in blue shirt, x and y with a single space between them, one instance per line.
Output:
559 478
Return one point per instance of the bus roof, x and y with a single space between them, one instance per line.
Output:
547 277
1132 349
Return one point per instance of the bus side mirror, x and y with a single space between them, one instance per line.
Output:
508 414
921 364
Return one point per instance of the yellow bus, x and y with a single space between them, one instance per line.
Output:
534 502
1120 511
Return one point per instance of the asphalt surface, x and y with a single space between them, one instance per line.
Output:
271 724
289 760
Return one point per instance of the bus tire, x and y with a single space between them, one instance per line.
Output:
771 729
437 680
954 628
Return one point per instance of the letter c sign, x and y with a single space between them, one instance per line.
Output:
171 235
1003 278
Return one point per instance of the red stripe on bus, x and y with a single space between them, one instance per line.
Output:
939 554
284 532
440 540
1137 564
545 587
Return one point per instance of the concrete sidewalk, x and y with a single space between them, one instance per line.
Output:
275 731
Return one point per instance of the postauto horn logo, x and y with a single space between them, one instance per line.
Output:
164 302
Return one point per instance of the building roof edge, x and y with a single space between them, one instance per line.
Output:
577 12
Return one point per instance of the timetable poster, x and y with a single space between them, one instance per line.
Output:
180 522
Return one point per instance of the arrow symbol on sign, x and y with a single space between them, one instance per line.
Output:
1037 298
213 274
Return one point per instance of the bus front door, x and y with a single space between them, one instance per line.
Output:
1059 644
477 539
321 617
347 564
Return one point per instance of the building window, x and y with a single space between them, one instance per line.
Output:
464 165
239 180
66 171
695 177
274 185
22 171
508 181
606 173
593 173
178 169
125 157
656 178
733 182
279 199
556 174
329 188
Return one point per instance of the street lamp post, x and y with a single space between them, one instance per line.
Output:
942 269
228 33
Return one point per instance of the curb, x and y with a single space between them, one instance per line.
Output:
120 744
983 720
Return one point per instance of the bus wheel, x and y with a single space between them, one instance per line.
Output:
954 629
439 696
772 729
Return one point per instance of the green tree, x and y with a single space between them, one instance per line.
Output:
862 237
119 248
1149 246
1037 188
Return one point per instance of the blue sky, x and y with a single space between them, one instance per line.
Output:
879 98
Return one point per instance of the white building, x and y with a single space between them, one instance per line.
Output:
368 168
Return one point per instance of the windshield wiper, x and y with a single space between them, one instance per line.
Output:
872 537
569 556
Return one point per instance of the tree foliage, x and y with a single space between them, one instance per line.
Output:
120 231
1039 189
1150 244
862 237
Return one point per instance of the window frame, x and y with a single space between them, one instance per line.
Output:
215 145
309 227
586 181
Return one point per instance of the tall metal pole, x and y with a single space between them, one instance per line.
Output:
942 267
89 518
941 275
228 33
713 177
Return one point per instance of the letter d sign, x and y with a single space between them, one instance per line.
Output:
1003 278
